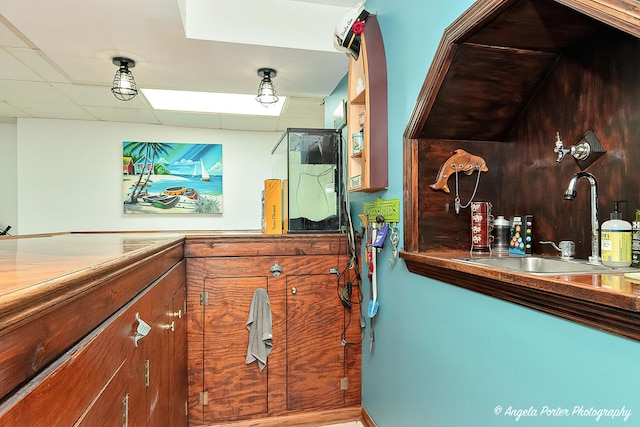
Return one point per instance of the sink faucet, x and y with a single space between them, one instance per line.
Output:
570 194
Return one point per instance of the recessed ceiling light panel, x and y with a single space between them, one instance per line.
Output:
210 102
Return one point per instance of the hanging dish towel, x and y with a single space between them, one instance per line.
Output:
259 326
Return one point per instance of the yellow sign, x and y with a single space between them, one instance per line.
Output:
388 209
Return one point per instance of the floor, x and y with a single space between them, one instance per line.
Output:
349 424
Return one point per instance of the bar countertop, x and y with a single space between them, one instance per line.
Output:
607 301
42 261
36 265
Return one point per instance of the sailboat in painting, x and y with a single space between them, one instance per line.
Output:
195 170
205 174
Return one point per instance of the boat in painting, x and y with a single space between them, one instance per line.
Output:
165 201
204 173
191 193
175 191
150 198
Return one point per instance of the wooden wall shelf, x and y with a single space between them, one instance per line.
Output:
367 94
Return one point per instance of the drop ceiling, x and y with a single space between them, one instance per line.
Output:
55 57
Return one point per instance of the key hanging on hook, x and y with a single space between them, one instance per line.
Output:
381 234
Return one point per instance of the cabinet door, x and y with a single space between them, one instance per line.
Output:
222 387
178 414
236 390
315 354
113 405
157 366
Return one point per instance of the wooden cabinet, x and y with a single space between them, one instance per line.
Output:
310 367
106 379
367 113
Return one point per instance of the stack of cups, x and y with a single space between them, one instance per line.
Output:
481 227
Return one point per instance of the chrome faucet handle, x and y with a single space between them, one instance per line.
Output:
559 149
566 248
547 242
580 151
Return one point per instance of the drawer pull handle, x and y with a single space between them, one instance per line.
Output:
294 290
170 326
142 331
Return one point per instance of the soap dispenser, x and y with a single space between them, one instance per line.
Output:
615 240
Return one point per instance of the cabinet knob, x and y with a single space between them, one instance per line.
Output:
294 290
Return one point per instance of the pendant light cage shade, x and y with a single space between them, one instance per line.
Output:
266 91
124 85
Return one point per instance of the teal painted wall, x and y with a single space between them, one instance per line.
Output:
447 357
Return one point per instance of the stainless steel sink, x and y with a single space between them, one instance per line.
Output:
543 265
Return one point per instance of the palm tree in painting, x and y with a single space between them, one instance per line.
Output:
146 150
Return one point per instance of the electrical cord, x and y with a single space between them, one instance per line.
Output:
345 286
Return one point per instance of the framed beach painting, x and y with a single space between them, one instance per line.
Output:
171 178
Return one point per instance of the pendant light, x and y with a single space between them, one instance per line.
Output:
124 85
266 91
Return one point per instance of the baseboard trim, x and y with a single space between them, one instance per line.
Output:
366 419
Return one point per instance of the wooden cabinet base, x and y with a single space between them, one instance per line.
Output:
308 418
315 362
111 377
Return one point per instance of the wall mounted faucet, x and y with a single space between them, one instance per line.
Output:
580 151
585 152
570 194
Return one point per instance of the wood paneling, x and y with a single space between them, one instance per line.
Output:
509 75
264 244
307 362
523 79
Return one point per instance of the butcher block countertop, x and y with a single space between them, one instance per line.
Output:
609 301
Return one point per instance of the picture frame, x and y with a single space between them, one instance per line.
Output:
340 115
171 178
